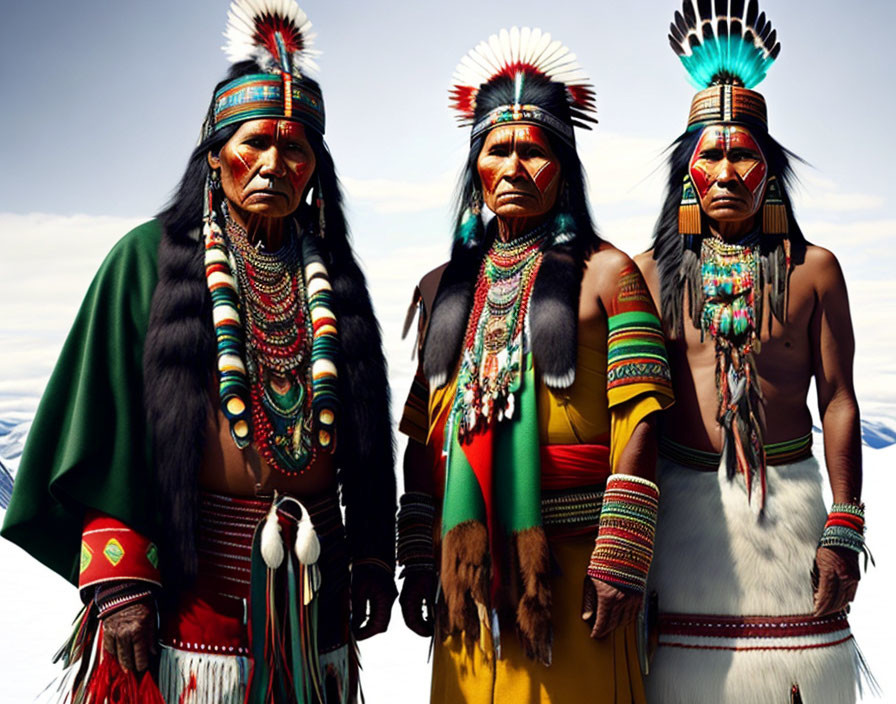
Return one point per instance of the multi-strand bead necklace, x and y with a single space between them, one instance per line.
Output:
493 346
278 336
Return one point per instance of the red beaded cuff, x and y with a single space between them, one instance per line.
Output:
112 551
624 546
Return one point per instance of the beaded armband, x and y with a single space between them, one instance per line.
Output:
416 514
112 552
624 546
845 528
114 596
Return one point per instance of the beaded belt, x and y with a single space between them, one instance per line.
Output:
227 526
705 632
571 512
776 453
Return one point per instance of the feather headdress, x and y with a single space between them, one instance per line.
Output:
276 35
517 56
727 47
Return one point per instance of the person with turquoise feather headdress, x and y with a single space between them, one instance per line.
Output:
752 575
528 473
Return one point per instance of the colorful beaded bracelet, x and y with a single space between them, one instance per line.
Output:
624 546
845 528
416 515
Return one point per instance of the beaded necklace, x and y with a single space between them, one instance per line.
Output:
494 344
732 294
277 342
278 337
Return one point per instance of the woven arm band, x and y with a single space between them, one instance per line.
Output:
114 596
624 546
416 514
845 528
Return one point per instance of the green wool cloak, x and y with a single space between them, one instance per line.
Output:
89 446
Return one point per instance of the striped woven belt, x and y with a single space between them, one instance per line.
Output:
569 512
705 632
776 453
226 529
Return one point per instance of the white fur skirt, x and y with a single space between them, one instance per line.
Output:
735 593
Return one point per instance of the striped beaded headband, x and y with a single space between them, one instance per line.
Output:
726 47
525 114
275 34
261 95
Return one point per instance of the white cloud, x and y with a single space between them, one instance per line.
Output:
398 196
815 192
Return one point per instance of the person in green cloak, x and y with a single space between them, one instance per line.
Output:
223 383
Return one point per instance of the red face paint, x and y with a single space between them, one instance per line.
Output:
519 172
266 166
729 163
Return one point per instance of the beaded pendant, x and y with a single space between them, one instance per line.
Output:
732 292
494 344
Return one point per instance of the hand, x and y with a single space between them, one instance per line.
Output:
835 578
418 596
130 635
614 607
373 593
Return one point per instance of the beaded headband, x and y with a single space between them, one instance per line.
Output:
274 34
518 54
726 46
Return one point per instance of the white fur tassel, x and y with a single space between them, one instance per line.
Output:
307 543
271 542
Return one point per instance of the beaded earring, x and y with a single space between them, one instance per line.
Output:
774 212
214 179
564 228
470 229
689 221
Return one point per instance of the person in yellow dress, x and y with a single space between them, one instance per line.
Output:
542 366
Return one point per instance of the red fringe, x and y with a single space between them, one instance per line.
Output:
111 684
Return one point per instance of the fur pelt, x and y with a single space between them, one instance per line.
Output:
554 315
450 312
533 608
712 550
466 579
690 676
713 555
178 361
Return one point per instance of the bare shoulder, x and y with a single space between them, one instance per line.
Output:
821 268
606 265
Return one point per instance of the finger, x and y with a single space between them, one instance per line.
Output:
141 654
378 621
359 606
411 612
589 596
849 593
109 641
125 653
826 598
602 619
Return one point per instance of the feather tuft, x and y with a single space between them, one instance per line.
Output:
276 34
515 52
723 42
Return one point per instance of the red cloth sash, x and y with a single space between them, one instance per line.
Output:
574 466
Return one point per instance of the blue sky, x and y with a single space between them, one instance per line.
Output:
104 101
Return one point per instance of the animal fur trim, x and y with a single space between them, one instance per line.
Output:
533 609
554 316
466 578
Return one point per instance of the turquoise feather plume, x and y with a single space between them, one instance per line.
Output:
725 41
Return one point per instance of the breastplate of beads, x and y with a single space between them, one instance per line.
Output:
278 335
494 344
730 275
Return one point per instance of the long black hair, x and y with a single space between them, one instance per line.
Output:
678 256
180 352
